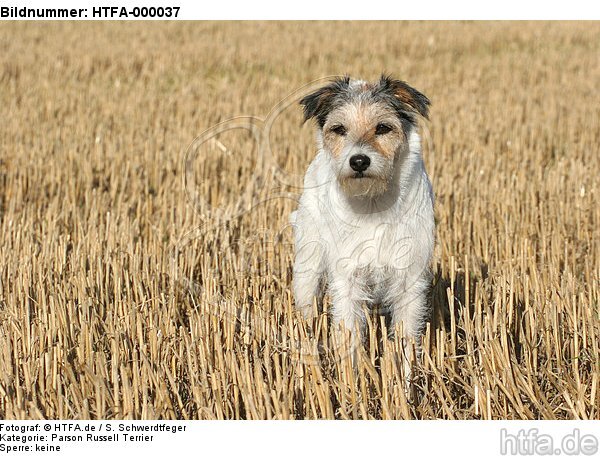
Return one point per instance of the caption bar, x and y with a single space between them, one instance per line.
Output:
97 12
57 437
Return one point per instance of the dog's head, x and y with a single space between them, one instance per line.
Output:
365 127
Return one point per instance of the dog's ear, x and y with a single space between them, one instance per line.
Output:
407 96
320 103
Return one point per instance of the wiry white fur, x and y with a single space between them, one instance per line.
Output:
369 250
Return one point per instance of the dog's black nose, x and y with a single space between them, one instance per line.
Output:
359 163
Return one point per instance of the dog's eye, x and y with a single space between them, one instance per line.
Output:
382 129
339 130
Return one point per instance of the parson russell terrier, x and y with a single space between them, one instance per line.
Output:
365 221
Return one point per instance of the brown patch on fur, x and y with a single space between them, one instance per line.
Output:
379 143
334 142
385 145
360 122
407 97
404 96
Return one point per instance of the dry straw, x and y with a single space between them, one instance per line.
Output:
117 302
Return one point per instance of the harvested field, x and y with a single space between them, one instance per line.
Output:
140 282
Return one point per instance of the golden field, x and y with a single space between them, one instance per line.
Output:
141 281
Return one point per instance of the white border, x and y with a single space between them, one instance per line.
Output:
289 438
350 9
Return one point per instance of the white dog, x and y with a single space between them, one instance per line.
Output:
365 221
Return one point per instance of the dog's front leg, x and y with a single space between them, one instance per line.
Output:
308 271
348 317
306 287
409 312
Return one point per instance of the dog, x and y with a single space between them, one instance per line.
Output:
365 220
